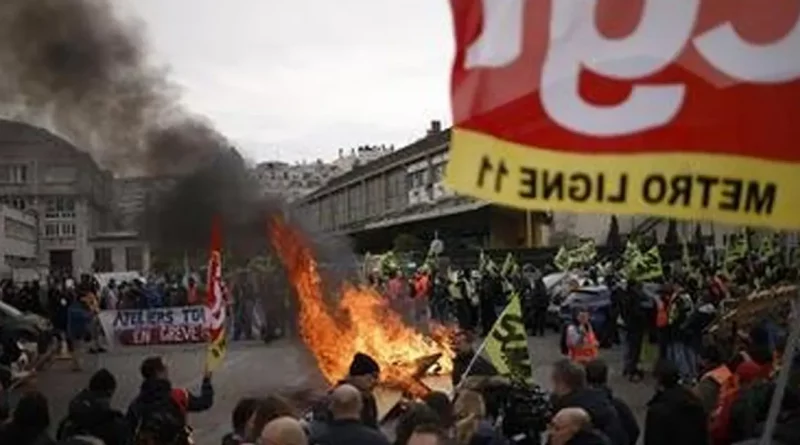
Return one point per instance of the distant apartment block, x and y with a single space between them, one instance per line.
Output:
293 181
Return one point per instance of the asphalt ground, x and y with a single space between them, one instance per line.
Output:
254 369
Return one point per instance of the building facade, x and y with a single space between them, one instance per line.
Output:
403 193
293 181
18 243
133 195
69 196
120 252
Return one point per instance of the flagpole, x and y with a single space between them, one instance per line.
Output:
470 365
783 375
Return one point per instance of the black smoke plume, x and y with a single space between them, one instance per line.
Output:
80 69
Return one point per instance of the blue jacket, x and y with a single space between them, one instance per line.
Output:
79 317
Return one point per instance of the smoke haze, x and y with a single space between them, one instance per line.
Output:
80 70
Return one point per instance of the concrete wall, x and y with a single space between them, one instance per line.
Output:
595 226
118 246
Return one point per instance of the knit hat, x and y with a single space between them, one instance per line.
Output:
363 364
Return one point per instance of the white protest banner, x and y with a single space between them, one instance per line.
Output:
158 326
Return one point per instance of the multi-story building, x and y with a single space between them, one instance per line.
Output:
293 181
403 193
133 195
18 243
70 194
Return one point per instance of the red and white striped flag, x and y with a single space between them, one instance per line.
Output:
215 302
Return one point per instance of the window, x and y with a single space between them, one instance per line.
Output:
19 230
417 179
60 207
16 202
67 230
102 260
59 230
133 258
14 174
438 173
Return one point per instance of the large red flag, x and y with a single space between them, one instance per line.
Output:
683 108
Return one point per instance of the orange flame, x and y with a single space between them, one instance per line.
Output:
362 322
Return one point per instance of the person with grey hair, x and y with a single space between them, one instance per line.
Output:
283 431
573 426
570 390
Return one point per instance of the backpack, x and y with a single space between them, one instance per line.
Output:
163 420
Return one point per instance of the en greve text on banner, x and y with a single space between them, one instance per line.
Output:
158 326
685 109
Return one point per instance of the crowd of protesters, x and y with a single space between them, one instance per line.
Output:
584 410
156 416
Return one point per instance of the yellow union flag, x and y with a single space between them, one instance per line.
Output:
506 346
216 351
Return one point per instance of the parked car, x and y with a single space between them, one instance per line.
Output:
32 332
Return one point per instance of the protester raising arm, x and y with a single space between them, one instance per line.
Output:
195 403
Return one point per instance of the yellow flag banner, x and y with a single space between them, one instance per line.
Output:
506 346
562 261
647 266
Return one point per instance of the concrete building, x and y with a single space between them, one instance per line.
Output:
133 195
293 181
403 193
18 244
68 191
120 252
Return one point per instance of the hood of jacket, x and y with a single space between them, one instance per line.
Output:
153 390
678 398
89 408
595 401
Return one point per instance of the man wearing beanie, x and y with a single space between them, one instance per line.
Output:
364 372
363 375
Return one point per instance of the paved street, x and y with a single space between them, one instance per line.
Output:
256 369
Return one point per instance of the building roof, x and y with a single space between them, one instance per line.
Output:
371 168
19 132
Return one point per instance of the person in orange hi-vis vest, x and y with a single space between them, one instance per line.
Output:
663 303
582 343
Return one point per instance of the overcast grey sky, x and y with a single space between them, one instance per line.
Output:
297 79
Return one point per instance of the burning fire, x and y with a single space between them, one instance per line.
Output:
362 322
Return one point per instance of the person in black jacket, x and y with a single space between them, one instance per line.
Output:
539 300
156 389
636 323
597 378
570 390
346 426
241 414
364 373
90 413
29 423
674 415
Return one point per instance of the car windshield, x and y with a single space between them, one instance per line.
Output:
9 311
